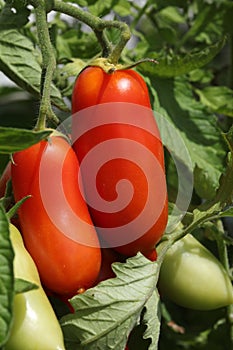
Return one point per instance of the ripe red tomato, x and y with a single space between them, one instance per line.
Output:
93 86
125 125
55 222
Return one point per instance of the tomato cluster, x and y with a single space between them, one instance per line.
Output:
72 239
61 231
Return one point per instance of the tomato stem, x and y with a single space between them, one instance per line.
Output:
98 25
124 38
92 21
48 64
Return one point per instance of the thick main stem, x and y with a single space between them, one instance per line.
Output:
48 63
98 26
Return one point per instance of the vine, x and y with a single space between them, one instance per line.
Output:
48 65
111 52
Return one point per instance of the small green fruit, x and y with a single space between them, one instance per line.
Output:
191 276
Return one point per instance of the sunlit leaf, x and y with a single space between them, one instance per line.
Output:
13 139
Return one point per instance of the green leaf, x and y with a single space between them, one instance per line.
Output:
151 318
14 14
82 46
73 68
19 63
202 75
198 130
175 65
228 137
6 90
201 20
123 8
6 278
172 14
23 286
101 8
226 213
13 210
13 139
106 314
216 207
218 99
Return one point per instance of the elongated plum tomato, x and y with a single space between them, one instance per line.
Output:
35 325
132 159
192 277
66 252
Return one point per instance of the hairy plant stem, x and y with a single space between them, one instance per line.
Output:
112 53
98 25
48 64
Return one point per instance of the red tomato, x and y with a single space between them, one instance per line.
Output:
151 255
133 152
55 222
94 86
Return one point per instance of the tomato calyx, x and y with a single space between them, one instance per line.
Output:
56 133
110 68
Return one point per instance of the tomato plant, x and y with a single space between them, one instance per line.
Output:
95 87
60 248
142 92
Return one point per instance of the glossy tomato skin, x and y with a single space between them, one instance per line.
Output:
93 86
96 87
64 264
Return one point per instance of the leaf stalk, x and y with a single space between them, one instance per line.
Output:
99 26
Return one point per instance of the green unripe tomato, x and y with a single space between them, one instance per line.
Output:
192 277
35 326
